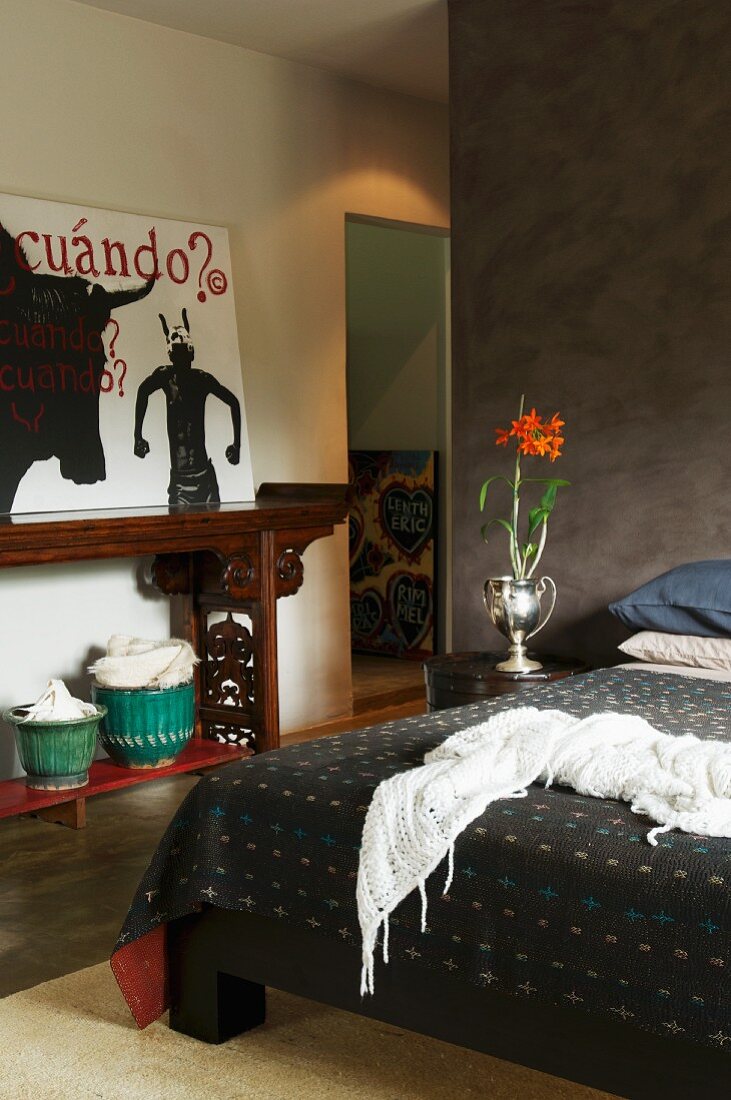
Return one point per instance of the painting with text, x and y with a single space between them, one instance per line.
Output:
83 295
392 552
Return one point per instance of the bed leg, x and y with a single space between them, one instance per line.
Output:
206 1002
217 1006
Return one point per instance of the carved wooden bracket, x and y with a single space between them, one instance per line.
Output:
290 572
291 546
239 579
171 574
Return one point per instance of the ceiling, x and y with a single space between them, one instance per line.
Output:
395 44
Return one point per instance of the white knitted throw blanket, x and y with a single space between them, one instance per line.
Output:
416 816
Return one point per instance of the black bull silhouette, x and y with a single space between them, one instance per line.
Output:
51 363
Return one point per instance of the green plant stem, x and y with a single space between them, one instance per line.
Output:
517 561
541 544
518 564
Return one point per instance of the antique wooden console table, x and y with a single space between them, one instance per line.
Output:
229 563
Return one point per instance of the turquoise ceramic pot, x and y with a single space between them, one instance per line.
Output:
56 755
145 727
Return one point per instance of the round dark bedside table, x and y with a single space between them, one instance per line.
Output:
458 678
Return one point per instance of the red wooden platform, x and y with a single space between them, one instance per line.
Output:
16 798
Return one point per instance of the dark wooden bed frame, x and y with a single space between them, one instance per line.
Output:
220 962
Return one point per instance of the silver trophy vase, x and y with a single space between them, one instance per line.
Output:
515 608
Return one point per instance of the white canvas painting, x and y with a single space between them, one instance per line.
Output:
120 374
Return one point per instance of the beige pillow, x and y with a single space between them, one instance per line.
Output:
679 649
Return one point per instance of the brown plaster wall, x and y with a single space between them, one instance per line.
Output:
591 222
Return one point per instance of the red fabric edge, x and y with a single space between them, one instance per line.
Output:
141 971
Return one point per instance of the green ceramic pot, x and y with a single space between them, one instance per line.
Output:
55 754
145 727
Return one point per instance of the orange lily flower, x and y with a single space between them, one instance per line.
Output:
537 438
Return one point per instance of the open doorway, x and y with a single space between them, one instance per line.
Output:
398 400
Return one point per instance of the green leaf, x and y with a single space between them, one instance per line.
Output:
549 498
502 522
536 517
488 483
557 481
530 549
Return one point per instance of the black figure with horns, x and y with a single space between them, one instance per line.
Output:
192 476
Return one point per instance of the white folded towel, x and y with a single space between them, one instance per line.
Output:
57 704
139 663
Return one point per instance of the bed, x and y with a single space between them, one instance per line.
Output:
566 942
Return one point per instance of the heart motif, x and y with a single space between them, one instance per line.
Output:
356 533
407 518
366 614
410 606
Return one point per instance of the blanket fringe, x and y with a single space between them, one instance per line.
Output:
450 876
422 891
658 829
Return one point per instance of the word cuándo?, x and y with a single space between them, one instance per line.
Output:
78 376
77 254
60 377
49 337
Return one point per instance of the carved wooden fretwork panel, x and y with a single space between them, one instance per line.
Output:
290 572
243 736
228 664
171 574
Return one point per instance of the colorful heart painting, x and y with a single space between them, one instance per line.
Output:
410 606
393 516
366 613
407 518
356 532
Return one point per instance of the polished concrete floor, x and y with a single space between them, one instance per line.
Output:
65 893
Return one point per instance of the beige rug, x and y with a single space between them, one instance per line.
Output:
73 1039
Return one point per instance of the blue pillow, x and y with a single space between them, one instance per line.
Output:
691 599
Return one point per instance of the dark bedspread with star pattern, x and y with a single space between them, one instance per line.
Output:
557 897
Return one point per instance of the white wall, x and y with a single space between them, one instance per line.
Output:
113 112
